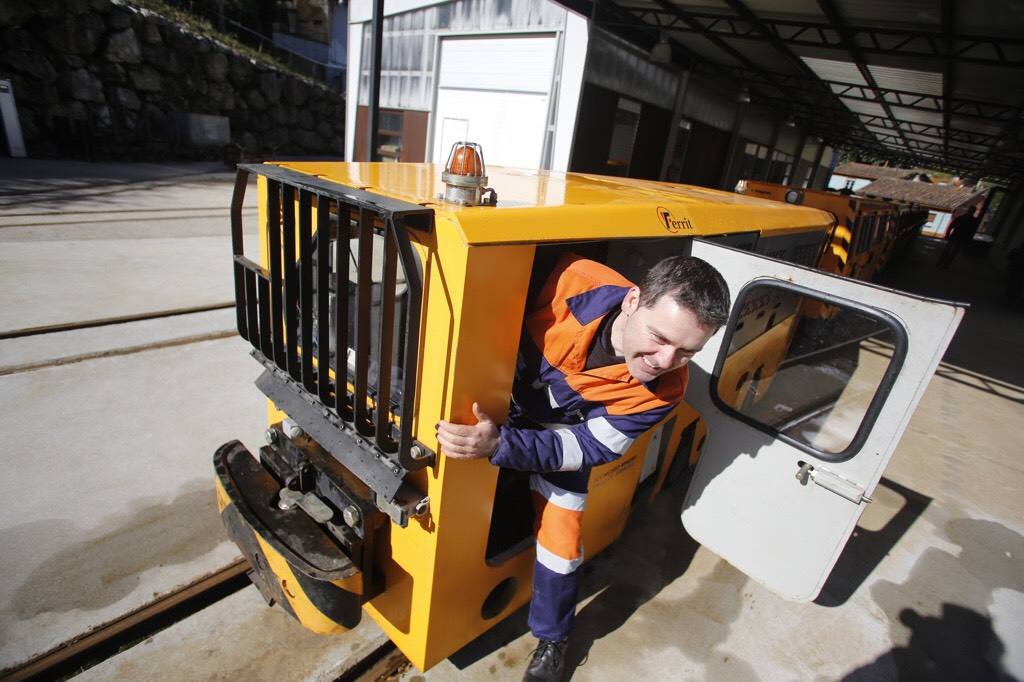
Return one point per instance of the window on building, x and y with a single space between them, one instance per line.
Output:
781 167
754 158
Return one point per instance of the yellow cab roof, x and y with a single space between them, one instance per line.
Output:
539 206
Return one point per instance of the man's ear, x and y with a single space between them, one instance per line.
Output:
632 301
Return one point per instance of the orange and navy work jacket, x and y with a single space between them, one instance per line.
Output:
565 417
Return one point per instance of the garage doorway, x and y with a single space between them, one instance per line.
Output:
496 91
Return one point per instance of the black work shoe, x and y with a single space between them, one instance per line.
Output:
547 663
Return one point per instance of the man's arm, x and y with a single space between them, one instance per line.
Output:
469 441
596 441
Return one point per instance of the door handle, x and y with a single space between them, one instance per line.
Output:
833 482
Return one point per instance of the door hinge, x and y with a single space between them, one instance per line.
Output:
832 481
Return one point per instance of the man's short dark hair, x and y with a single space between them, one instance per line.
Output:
693 283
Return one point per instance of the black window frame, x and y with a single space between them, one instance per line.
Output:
879 399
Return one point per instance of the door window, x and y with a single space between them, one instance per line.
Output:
814 381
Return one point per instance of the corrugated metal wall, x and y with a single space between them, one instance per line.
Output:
617 66
758 125
410 42
707 105
789 138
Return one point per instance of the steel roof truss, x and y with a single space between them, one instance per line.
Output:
970 49
911 100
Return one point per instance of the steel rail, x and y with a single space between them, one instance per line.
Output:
112 637
117 352
106 211
110 221
107 321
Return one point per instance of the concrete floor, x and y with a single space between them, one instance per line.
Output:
108 244
241 639
931 586
108 491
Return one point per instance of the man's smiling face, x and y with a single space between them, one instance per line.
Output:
657 339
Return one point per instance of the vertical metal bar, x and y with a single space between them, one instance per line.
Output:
252 321
265 344
323 298
240 303
341 263
306 286
364 301
291 284
274 265
385 337
237 248
373 96
414 287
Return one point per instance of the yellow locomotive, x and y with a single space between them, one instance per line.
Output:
867 232
390 296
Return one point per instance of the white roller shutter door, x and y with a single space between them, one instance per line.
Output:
495 91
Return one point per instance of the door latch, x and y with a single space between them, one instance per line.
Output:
833 482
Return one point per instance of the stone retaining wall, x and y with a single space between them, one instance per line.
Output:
106 80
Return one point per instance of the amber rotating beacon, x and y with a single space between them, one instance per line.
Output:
465 176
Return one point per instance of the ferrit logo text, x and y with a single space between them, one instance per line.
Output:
671 224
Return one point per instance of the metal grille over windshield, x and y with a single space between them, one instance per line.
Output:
336 312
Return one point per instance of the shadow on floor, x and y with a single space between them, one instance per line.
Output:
958 645
652 552
866 548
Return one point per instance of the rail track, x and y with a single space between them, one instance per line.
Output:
105 641
116 636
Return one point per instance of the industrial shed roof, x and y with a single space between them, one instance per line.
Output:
932 83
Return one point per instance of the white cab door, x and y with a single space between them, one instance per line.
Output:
804 404
495 91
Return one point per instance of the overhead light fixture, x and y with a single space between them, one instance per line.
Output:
790 122
744 95
661 53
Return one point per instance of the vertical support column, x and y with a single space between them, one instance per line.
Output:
797 156
831 168
817 162
1010 216
741 112
1013 236
772 146
673 129
373 96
